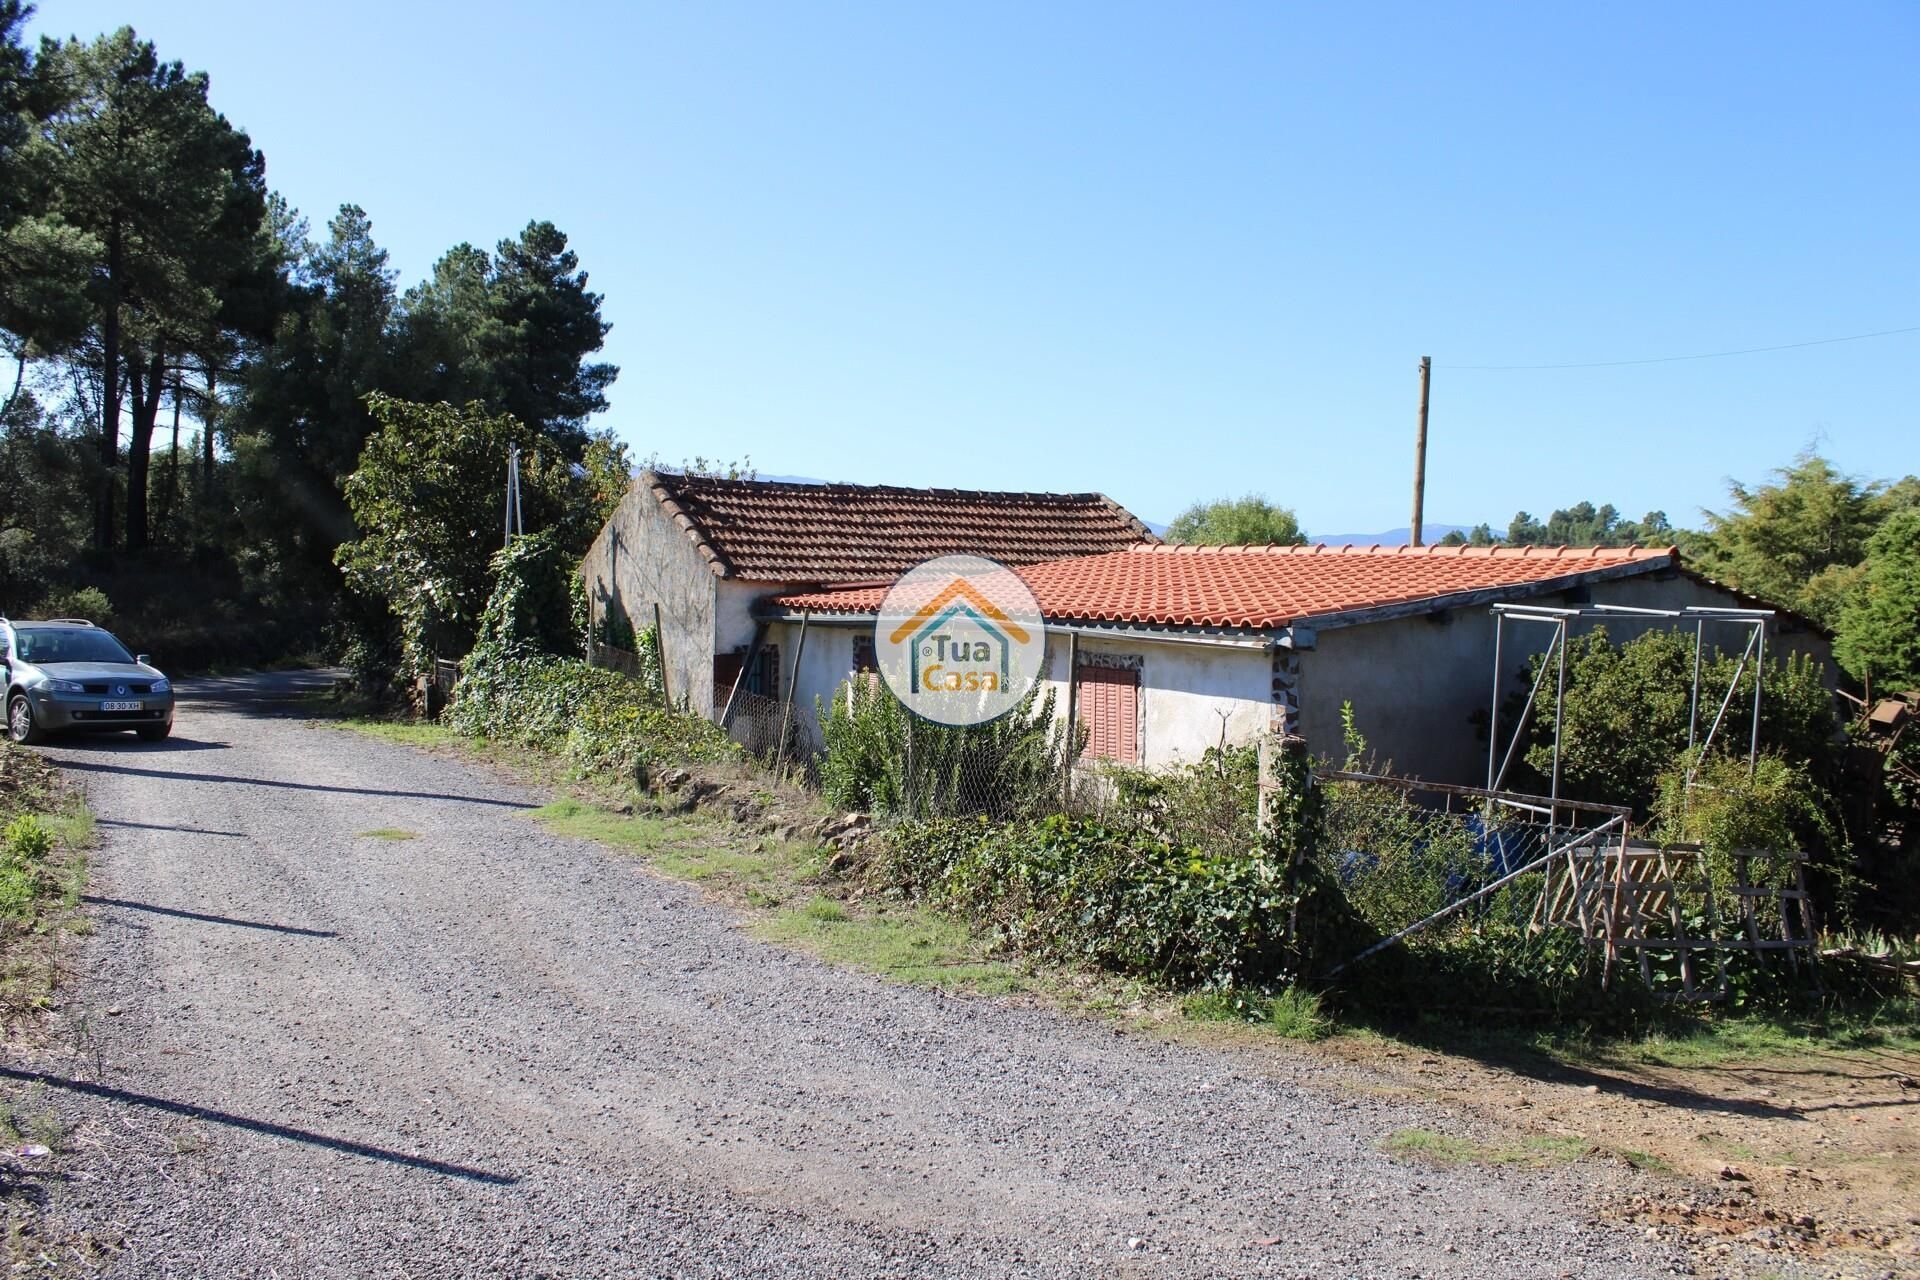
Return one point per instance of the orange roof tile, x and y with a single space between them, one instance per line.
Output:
1262 587
777 531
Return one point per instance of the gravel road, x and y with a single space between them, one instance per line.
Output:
490 1051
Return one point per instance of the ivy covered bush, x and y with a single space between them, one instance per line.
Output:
1076 889
1122 895
599 720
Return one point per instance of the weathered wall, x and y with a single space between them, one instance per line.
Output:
1416 683
733 612
642 558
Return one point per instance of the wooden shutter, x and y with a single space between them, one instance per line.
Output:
1109 702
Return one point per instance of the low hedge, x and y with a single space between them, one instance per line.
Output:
600 721
1075 889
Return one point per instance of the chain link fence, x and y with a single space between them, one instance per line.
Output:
1437 866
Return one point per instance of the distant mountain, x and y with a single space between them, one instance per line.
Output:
1391 538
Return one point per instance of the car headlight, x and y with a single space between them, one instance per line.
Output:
66 686
161 686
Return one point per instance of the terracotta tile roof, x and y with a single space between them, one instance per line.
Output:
775 531
1262 587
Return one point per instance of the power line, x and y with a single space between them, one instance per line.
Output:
1705 355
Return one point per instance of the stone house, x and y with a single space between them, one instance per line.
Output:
706 552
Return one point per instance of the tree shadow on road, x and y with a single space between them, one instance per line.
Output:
270 1128
171 775
179 913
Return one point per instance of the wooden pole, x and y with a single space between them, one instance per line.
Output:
1420 457
660 648
786 709
1073 717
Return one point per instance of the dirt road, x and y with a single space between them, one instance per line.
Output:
487 1050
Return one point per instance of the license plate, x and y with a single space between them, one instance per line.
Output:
120 706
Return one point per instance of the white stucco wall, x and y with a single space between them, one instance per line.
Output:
1188 694
823 668
1192 697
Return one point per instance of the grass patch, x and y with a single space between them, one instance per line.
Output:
1644 1160
1294 1014
1891 1026
45 831
406 733
906 944
778 881
1537 1151
389 833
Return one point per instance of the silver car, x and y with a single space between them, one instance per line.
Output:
69 674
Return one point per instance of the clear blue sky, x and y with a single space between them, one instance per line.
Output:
1164 251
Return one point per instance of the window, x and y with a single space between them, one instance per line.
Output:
1109 707
763 678
863 654
44 646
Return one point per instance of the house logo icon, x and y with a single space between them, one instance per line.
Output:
960 639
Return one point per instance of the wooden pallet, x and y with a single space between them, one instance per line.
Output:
1634 900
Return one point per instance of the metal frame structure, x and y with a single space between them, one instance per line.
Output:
1562 620
1629 899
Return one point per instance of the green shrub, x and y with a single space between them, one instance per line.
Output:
1076 889
881 758
90 603
27 840
1773 808
600 721
1628 707
24 847
1213 803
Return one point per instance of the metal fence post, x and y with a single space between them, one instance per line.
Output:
1073 719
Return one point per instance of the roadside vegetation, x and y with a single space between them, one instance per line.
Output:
45 832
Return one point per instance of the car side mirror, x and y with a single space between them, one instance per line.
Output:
144 659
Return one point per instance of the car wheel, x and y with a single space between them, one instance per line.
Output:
154 734
20 723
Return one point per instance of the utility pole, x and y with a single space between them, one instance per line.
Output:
1420 456
513 523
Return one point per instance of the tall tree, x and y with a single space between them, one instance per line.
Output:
1879 640
42 259
1251 520
513 330
1585 525
1799 539
429 500
300 418
175 198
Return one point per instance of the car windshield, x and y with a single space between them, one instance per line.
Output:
43 645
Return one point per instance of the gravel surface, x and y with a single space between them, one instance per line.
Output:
490 1051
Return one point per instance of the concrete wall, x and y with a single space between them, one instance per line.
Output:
1188 694
1417 683
642 558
